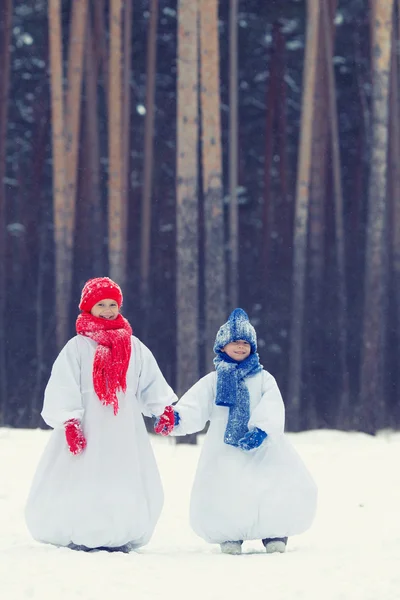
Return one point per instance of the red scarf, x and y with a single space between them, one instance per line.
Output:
112 356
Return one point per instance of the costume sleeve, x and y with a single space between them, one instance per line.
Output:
194 408
269 414
62 396
153 392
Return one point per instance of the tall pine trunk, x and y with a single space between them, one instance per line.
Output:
394 212
314 310
126 120
343 415
100 35
59 172
214 246
148 156
318 183
233 157
301 218
37 246
72 128
284 218
117 259
395 200
97 231
5 37
372 400
268 204
187 264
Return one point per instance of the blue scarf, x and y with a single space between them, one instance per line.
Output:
232 392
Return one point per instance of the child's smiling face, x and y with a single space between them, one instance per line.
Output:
105 309
238 350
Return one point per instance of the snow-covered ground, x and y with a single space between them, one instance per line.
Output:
352 551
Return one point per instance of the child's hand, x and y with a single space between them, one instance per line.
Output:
166 422
74 435
253 439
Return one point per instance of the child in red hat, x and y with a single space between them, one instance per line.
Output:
97 484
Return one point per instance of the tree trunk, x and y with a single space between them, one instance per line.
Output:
117 260
394 211
356 242
314 355
36 238
148 156
318 181
126 120
5 37
100 35
59 172
187 267
343 415
97 231
372 16
301 218
233 156
72 128
39 337
285 217
268 208
214 254
372 400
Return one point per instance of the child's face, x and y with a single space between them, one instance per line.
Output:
105 309
238 350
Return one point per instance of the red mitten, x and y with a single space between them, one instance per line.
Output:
74 435
165 423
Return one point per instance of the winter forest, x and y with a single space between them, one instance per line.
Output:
206 155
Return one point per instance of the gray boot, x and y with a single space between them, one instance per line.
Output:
231 547
275 544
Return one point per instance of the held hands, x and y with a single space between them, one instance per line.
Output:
74 435
166 422
253 439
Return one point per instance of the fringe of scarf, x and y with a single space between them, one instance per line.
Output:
112 356
232 392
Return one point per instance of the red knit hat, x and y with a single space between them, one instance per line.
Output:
97 289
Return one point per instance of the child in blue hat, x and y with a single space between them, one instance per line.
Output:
250 482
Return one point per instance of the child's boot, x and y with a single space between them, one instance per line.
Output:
231 547
275 544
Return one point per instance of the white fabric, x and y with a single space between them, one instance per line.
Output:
111 494
239 495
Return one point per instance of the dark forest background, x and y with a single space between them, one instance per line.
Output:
271 67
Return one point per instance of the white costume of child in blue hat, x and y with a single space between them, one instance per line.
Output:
250 482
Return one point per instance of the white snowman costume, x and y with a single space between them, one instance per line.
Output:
266 492
110 495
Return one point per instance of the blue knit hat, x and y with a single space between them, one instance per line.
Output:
237 327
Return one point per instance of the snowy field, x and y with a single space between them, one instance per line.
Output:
352 551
